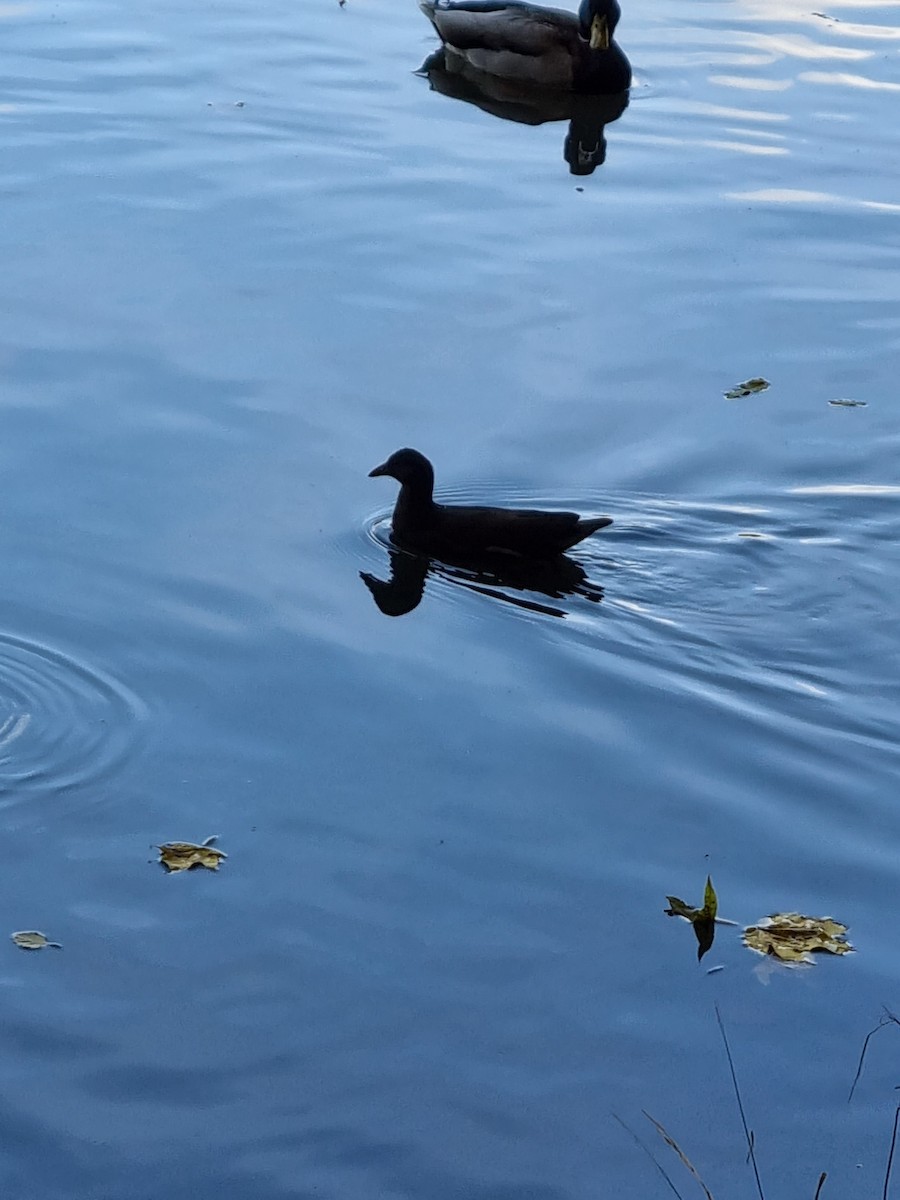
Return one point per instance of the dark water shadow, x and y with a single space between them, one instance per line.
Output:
494 575
585 144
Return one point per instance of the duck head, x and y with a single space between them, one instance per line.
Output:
598 20
410 468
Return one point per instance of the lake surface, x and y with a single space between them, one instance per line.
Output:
247 252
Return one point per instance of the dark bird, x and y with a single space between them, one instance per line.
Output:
458 531
546 47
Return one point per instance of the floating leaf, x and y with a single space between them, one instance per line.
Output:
792 938
678 908
181 856
848 403
710 900
31 939
747 388
703 919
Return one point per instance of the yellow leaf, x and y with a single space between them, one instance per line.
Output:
747 388
30 939
703 919
710 900
181 856
792 937
678 908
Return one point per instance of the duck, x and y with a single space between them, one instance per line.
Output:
459 531
544 47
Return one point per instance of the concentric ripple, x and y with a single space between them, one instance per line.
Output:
62 724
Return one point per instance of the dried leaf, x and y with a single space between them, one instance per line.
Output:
703 919
747 388
31 939
182 856
793 938
710 900
678 908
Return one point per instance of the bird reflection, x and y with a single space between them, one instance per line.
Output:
492 575
585 144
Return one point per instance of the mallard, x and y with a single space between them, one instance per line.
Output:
459 531
547 47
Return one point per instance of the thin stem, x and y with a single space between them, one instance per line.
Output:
650 1155
887 1173
737 1092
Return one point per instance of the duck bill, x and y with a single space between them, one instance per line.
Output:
599 33
379 470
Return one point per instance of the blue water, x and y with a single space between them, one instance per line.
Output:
246 253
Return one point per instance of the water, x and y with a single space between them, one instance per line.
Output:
246 254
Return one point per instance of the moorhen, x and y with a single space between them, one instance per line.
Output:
467 531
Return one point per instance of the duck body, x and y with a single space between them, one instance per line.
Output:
470 531
544 47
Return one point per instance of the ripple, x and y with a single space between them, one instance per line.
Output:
716 597
848 489
809 199
62 724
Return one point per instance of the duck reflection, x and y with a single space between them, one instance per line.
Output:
585 145
492 575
